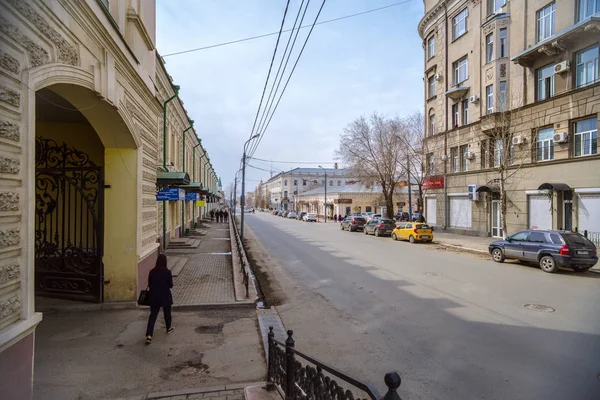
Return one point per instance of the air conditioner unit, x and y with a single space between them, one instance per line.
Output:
469 155
560 137
444 157
517 140
437 77
562 67
474 98
473 193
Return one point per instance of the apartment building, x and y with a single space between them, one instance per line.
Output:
512 97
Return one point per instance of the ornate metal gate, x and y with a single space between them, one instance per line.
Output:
69 223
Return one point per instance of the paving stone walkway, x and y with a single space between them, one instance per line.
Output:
207 277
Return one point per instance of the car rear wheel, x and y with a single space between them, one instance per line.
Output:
498 255
376 232
394 237
580 269
547 264
341 227
411 239
365 231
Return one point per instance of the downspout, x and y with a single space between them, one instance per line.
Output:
445 113
183 169
202 181
194 177
164 213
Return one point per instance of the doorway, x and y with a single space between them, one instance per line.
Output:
496 219
568 210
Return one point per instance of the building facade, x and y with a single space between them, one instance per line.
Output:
512 97
82 94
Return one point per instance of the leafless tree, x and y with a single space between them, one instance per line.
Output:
372 148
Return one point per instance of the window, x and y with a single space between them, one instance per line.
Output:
545 144
555 238
465 112
323 182
459 24
502 96
285 194
537 237
303 182
498 147
430 164
587 8
432 125
455 159
460 70
489 47
431 87
485 154
587 66
331 182
489 92
520 237
586 137
545 22
295 182
339 183
285 182
495 5
431 47
545 82
464 150
455 115
503 46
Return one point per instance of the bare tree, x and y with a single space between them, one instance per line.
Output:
372 148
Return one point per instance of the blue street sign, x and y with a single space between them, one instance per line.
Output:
170 194
191 196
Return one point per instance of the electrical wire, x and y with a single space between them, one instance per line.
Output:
261 169
291 162
287 30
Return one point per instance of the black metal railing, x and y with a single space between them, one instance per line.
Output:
244 269
297 376
593 237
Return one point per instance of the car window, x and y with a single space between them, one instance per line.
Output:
402 226
422 226
537 237
360 220
520 236
555 238
408 226
575 238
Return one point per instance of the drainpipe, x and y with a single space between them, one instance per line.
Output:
183 169
176 89
445 113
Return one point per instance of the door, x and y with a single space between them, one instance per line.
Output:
496 219
406 231
532 246
430 208
568 210
540 212
460 212
514 247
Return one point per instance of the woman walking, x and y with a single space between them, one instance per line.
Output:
160 282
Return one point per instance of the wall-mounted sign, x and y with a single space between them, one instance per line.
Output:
342 201
435 182
201 203
170 194
191 196
401 203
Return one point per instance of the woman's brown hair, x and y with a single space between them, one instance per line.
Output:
161 262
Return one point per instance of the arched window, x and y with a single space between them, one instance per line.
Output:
431 128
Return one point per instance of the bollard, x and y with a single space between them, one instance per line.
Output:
270 344
392 381
289 365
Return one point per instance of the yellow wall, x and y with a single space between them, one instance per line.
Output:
120 226
77 135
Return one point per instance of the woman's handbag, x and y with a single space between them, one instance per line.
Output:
144 298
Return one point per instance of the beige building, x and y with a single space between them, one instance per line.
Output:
530 67
82 94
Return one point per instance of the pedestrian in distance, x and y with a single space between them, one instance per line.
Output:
340 218
226 216
219 216
160 282
335 217
212 215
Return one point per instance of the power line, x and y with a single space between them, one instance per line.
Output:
291 162
288 80
262 169
287 30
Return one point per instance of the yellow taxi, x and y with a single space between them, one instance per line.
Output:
413 232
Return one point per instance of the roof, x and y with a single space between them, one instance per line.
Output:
358 187
172 178
312 171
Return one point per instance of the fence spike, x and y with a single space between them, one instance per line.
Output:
392 381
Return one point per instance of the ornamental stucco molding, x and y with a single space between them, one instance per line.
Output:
67 53
10 96
9 201
36 54
10 306
9 63
137 114
10 131
10 237
9 165
432 13
9 273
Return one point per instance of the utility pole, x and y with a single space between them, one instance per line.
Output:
409 192
325 211
243 199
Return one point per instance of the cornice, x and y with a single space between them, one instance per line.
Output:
429 15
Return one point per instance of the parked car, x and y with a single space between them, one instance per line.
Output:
367 215
401 216
275 212
415 216
284 213
353 224
291 214
379 227
300 215
310 217
413 232
550 249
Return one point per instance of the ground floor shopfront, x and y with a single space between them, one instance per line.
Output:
561 195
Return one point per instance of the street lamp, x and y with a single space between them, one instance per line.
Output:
243 202
325 211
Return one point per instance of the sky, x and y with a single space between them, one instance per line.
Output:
353 67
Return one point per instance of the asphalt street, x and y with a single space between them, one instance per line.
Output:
454 325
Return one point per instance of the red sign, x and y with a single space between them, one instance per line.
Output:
435 182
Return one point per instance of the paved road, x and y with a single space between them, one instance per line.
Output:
454 325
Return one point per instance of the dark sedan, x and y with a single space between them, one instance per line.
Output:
380 227
353 224
550 249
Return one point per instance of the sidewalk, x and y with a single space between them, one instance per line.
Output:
474 244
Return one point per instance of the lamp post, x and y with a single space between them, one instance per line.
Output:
234 202
243 202
325 210
183 169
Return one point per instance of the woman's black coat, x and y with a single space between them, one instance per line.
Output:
160 282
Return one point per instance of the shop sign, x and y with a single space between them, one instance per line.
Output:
342 201
401 204
435 182
170 194
201 203
191 196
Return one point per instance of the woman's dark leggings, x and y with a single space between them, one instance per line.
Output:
154 314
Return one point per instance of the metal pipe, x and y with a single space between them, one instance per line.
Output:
325 210
243 205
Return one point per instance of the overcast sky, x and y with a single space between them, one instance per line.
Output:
352 67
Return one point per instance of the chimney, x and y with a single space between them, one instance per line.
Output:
335 166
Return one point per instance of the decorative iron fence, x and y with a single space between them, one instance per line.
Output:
297 376
245 267
593 237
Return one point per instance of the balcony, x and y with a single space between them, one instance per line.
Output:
457 92
559 42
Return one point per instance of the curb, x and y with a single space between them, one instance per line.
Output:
213 306
217 390
464 249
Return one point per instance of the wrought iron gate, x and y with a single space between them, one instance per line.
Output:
68 223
